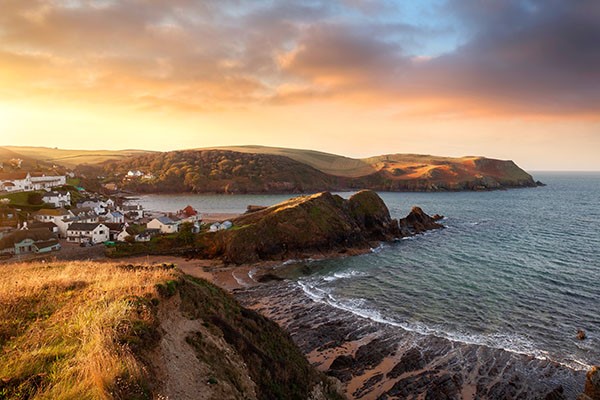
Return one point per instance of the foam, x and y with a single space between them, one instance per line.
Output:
505 341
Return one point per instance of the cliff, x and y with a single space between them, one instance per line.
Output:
322 223
110 331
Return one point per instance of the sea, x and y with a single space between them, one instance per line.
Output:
515 269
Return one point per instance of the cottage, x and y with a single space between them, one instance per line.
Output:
26 241
164 224
61 217
58 198
80 232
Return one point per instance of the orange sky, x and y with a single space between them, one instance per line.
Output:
351 77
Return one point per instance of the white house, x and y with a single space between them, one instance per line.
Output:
80 232
61 217
135 174
98 206
164 224
42 181
58 198
29 241
15 182
114 217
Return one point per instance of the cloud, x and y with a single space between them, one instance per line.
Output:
525 57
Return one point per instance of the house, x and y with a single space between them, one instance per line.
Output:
85 214
15 182
189 214
28 241
135 174
58 199
133 211
114 217
41 181
99 206
50 226
47 246
164 224
146 235
218 226
114 230
61 217
81 232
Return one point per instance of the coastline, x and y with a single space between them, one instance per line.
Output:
373 358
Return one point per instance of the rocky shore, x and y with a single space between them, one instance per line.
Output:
376 360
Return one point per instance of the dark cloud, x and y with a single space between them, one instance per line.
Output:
529 56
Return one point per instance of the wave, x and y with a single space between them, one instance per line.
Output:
344 275
510 342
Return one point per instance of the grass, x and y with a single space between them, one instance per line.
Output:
71 158
70 330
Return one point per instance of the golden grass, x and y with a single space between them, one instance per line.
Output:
62 327
72 158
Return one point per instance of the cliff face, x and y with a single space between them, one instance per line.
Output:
319 223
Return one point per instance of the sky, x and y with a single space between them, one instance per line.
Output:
505 79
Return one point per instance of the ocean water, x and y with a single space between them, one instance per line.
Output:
516 269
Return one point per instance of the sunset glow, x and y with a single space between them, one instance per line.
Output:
505 79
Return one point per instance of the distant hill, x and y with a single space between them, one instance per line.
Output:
257 169
261 169
67 158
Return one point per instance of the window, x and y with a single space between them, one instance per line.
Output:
101 233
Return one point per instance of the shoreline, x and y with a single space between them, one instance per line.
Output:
373 358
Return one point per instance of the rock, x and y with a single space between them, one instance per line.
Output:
592 385
581 334
417 222
269 277
556 394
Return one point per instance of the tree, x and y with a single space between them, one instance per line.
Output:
186 233
35 199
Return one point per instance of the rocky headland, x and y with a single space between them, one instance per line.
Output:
318 224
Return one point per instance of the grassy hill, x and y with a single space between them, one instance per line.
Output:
85 330
68 158
328 163
260 169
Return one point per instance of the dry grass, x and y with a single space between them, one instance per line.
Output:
64 329
72 158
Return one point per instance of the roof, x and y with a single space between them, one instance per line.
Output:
116 214
6 184
189 211
37 225
82 226
56 193
46 244
53 211
79 210
165 220
12 176
114 226
40 234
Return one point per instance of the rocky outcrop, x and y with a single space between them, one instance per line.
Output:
321 223
592 385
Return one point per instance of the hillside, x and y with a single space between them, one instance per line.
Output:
328 163
267 170
68 158
109 331
260 169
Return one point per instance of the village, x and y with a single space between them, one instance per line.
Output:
69 219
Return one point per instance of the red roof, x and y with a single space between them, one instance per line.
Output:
189 211
12 176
